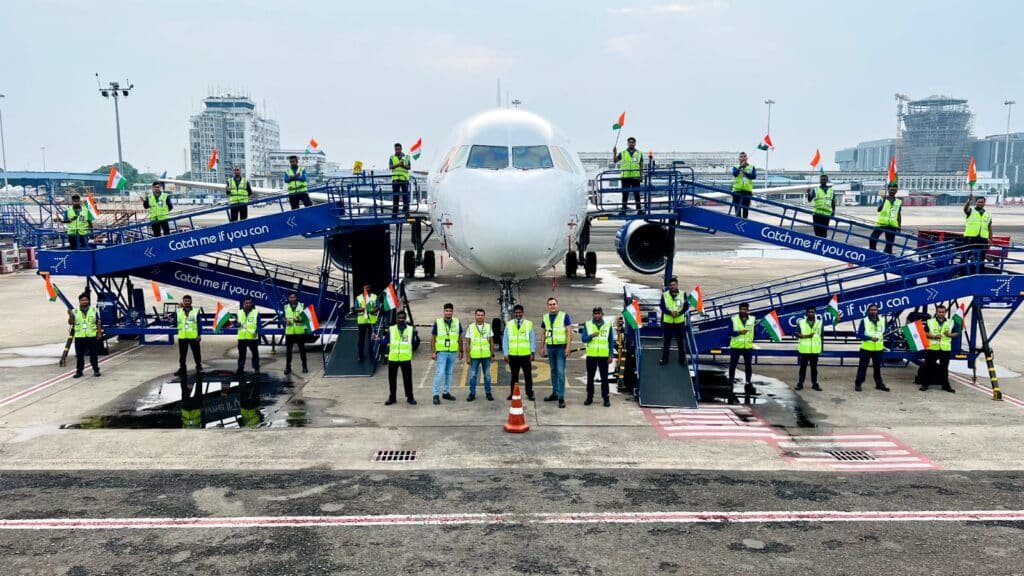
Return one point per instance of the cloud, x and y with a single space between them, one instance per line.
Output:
620 11
624 45
674 8
450 54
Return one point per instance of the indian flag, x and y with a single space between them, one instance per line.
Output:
959 312
159 292
391 298
972 173
893 175
90 205
816 159
416 149
917 338
51 290
631 314
833 309
766 143
312 322
313 146
114 180
696 299
620 122
773 326
212 162
220 318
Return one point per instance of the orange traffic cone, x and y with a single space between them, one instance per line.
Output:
516 415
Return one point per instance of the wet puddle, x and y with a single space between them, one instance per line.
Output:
26 356
776 401
218 399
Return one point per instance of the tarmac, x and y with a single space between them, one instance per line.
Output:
61 461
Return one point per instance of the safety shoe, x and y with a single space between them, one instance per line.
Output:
471 397
799 386
77 375
923 388
95 373
551 398
437 400
509 397
882 388
490 397
815 387
530 397
588 401
561 402
389 402
287 370
305 370
411 401
949 389
749 389
448 396
857 388
607 402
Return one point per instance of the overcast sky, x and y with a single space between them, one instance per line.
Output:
358 76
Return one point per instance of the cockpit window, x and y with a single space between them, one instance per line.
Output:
531 157
488 157
560 160
457 158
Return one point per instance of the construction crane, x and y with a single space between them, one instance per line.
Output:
900 100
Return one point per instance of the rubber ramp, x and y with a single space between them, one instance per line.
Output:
667 386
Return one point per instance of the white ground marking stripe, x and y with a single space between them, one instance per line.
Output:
722 517
55 380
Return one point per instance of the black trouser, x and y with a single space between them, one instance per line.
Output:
876 367
161 228
184 344
821 225
890 237
299 197
238 212
294 340
937 368
364 334
517 363
90 346
669 331
78 241
406 367
805 360
741 202
593 366
734 359
627 185
245 346
399 190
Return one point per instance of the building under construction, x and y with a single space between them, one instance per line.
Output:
936 135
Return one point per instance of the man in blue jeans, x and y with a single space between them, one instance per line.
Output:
447 338
557 347
479 342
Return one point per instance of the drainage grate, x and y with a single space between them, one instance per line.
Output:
852 455
394 456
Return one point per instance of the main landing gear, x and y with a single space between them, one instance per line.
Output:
582 257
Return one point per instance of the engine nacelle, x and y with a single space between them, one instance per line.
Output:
644 247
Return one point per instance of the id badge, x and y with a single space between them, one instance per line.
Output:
447 343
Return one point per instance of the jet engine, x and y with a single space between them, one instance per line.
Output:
644 247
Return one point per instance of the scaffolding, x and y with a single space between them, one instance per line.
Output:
936 135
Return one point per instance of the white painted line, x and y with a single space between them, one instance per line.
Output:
55 380
886 466
838 445
721 517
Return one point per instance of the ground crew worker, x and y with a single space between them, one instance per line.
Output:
977 228
809 347
399 341
890 218
367 308
239 191
479 342
631 167
247 320
872 344
88 334
447 347
823 199
673 322
741 345
298 184
743 176
941 331
557 348
187 319
400 166
295 331
159 205
79 221
520 345
599 336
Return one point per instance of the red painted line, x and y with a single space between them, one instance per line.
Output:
538 518
54 380
986 390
